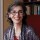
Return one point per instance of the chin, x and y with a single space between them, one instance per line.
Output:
17 21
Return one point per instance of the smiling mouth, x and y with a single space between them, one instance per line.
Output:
17 18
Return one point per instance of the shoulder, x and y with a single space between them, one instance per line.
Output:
8 30
7 33
28 28
31 33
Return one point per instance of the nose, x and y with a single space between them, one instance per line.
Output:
17 14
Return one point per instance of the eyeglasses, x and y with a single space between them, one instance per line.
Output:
20 12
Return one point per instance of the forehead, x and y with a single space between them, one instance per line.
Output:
17 8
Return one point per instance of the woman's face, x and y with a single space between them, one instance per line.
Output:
16 14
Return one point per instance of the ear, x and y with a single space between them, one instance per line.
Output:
10 15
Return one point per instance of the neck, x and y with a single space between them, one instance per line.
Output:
17 25
17 29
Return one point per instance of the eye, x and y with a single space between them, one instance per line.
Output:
20 11
14 12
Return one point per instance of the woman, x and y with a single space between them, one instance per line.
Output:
18 29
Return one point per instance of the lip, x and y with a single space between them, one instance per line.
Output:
17 18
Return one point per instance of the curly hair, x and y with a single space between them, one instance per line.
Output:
24 11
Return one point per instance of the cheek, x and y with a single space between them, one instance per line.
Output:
11 16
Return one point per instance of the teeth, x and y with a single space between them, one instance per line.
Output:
16 18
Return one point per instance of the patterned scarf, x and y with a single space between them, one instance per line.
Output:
22 36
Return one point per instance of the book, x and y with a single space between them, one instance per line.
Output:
32 9
29 0
28 10
35 9
38 0
38 9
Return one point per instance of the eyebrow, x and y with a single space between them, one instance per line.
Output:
20 10
14 10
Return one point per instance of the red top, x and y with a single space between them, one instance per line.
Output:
15 38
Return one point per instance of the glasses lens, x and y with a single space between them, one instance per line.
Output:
19 12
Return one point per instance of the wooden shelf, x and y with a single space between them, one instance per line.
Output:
32 3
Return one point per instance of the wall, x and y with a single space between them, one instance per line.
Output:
6 3
1 19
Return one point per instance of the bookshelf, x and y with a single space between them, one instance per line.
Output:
32 6
33 14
